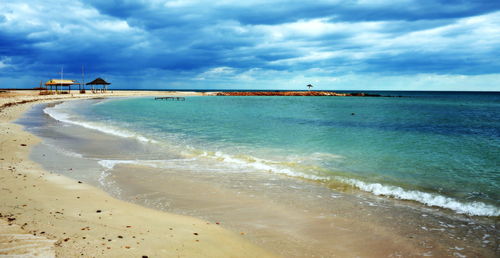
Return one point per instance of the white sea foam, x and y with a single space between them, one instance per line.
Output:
265 165
64 151
429 199
58 114
324 155
237 163
470 208
110 164
248 162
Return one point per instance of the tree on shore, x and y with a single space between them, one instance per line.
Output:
309 86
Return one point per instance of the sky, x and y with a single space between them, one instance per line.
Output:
260 44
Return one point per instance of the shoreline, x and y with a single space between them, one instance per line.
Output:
356 228
285 230
77 219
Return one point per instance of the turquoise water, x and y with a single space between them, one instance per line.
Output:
439 149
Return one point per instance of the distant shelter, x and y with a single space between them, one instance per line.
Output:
55 83
99 82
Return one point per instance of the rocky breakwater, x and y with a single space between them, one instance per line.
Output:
294 93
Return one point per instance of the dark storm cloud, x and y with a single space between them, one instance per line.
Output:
277 12
134 38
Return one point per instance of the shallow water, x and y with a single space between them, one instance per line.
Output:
246 186
441 150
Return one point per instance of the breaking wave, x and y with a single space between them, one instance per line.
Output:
57 114
429 199
238 162
247 162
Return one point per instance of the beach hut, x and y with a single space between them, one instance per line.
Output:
99 81
54 83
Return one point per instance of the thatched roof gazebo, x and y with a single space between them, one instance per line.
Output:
99 81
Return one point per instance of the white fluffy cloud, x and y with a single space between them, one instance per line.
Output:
251 42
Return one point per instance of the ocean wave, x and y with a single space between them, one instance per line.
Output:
63 151
103 180
110 164
238 162
57 114
248 162
429 199
244 161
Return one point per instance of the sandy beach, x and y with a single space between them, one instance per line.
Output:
50 215
297 129
55 201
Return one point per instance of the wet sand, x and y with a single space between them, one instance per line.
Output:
286 216
71 218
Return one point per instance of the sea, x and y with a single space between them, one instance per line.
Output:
424 152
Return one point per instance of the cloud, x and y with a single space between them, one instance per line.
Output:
4 63
243 42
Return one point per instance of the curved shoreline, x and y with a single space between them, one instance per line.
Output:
108 221
395 191
83 220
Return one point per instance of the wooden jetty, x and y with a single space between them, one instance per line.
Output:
171 98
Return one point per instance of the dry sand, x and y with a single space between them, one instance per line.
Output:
47 214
